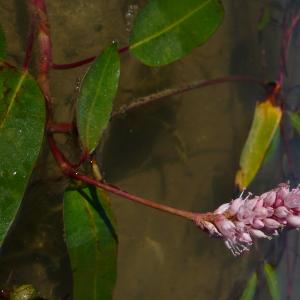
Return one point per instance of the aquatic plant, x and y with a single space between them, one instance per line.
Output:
160 35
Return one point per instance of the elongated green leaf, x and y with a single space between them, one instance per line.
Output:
266 121
96 97
22 117
166 30
92 243
272 281
2 44
250 289
295 120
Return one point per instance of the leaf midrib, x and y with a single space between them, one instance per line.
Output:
170 27
13 98
94 233
87 131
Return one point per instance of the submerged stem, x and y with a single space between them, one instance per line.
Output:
139 102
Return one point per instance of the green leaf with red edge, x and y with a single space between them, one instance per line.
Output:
295 121
272 281
167 30
90 234
22 118
2 44
97 93
250 289
264 125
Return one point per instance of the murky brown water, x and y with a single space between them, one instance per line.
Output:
183 151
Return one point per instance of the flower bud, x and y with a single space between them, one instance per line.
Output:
251 203
292 199
226 227
258 234
221 209
258 224
261 212
293 220
269 198
211 228
235 205
271 223
281 212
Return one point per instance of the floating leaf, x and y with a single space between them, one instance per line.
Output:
250 289
2 44
272 281
22 117
295 120
266 121
96 97
92 243
166 30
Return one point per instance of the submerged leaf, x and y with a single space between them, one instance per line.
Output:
265 123
90 234
97 92
22 117
250 289
166 30
272 281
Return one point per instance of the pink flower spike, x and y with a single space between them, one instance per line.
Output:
281 212
293 221
271 223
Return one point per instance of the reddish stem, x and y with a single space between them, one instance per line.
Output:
82 62
30 40
71 172
60 127
139 102
74 64
286 39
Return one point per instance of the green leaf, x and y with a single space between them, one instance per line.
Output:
97 93
250 289
2 44
166 30
22 117
90 234
295 121
272 281
266 120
